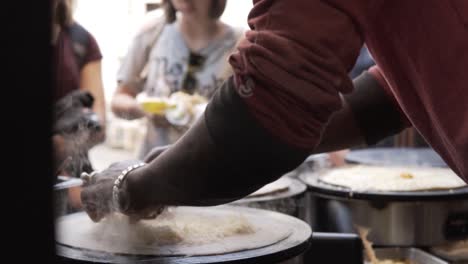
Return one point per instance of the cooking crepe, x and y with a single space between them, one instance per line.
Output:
280 185
375 178
178 231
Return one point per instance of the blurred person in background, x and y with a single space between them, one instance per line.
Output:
79 112
363 63
185 50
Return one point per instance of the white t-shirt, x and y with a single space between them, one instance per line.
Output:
167 67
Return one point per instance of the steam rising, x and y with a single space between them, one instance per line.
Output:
80 129
77 150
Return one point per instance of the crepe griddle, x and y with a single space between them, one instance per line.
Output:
288 201
291 246
295 188
424 157
319 187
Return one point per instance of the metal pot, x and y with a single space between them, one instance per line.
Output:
425 218
414 255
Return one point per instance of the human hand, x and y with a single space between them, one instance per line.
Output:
97 194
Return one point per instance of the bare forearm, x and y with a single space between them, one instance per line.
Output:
342 132
225 156
91 81
368 116
195 176
125 106
100 109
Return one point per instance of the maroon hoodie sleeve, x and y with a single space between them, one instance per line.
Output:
293 64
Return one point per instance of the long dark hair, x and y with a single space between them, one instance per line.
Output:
217 9
63 13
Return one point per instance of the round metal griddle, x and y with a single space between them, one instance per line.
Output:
396 156
288 201
295 188
324 189
295 244
424 157
418 218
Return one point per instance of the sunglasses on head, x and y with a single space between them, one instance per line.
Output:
195 63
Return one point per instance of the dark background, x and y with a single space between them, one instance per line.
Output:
26 177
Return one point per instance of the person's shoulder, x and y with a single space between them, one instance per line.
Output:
77 28
238 32
234 36
79 34
150 22
83 41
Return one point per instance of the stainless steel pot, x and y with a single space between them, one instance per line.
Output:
414 255
425 218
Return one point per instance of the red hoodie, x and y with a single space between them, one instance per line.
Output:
295 61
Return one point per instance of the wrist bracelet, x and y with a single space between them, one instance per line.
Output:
118 184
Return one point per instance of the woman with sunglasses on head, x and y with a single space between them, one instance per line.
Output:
185 50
